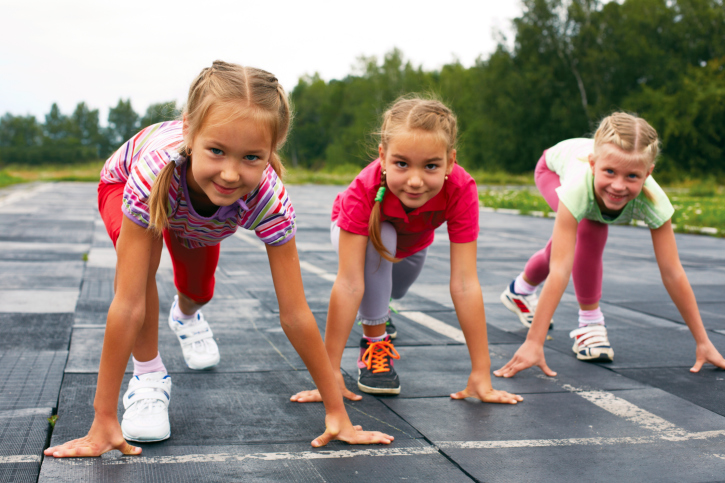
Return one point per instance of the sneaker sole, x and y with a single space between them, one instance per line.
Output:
378 390
599 358
515 309
139 440
393 335
203 367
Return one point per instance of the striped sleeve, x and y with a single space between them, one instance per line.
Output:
140 181
271 214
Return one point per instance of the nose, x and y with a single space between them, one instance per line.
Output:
618 184
229 173
415 180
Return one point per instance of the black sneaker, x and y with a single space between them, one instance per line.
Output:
390 329
376 374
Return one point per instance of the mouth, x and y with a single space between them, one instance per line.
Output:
223 190
413 195
615 198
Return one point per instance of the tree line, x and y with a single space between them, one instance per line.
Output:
570 63
78 137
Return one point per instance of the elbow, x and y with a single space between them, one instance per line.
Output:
352 287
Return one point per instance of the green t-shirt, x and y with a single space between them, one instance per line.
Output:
569 159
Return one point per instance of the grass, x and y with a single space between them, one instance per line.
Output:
695 207
13 174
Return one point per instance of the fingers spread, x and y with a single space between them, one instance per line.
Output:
460 394
126 448
546 370
697 366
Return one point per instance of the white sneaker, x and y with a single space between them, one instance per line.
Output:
522 305
197 341
146 402
592 344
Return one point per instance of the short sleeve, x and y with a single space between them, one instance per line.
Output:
462 209
354 208
656 207
573 193
140 181
273 216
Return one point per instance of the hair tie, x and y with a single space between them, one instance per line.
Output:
381 193
178 159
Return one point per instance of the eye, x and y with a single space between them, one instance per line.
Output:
216 151
609 171
401 164
431 167
251 157
633 176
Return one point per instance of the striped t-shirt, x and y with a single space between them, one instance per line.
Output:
267 209
569 159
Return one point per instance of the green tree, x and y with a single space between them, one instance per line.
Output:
122 122
155 113
19 131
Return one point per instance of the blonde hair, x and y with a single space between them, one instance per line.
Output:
244 91
631 134
406 114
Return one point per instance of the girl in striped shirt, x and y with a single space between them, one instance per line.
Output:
590 184
194 182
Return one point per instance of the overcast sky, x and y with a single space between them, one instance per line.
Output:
67 51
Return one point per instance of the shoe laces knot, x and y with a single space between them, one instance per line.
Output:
377 354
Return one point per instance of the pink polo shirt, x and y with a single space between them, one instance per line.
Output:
456 204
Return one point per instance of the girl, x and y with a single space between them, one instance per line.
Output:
196 181
382 225
591 184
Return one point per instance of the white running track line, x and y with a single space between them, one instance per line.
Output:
436 325
427 450
23 458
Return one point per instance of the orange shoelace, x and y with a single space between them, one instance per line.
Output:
375 356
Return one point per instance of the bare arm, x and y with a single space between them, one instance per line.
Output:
677 285
468 301
531 351
300 327
139 253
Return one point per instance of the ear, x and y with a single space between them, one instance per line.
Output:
381 155
591 161
185 130
451 161
649 172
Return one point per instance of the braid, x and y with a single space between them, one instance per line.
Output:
374 225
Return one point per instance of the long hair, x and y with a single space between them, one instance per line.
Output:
242 91
406 114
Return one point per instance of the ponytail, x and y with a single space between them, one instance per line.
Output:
374 224
159 200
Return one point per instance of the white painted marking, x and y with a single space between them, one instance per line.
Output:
540 443
89 326
40 247
230 457
26 193
254 241
38 301
314 247
104 257
23 458
625 409
436 325
330 277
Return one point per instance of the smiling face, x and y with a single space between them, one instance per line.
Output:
228 158
416 164
618 178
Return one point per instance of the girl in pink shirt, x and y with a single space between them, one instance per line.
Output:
382 226
193 183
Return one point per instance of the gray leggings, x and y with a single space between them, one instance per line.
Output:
383 279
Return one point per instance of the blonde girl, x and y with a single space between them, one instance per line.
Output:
196 181
382 225
590 184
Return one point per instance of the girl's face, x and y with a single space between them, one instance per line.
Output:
617 180
416 164
228 158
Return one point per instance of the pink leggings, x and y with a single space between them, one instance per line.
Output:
591 236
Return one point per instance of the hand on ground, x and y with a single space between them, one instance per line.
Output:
341 429
480 388
101 438
707 353
529 354
314 396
